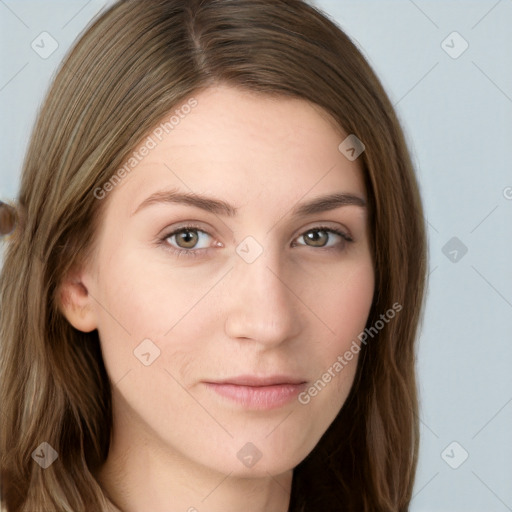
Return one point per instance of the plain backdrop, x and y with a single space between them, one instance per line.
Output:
446 66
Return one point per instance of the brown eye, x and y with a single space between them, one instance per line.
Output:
316 237
323 237
187 239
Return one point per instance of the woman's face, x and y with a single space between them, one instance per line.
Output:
251 290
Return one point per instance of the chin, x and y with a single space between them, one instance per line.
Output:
258 461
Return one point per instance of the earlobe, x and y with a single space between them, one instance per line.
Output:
76 304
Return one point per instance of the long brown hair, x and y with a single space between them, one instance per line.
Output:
131 67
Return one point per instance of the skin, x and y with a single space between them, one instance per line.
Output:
292 311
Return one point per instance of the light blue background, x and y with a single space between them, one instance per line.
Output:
457 115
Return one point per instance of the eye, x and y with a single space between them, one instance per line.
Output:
321 237
187 239
193 241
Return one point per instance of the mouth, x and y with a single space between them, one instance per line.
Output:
258 393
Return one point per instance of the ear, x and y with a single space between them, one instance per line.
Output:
76 303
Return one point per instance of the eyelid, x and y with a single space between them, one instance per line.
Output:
184 226
330 226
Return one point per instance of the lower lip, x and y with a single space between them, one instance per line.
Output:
258 397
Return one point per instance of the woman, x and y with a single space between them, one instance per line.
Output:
212 294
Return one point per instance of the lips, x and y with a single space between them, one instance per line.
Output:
258 393
251 380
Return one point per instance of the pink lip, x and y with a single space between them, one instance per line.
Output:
258 393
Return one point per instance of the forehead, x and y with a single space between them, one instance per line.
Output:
242 146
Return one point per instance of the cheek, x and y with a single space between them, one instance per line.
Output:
143 296
139 301
343 302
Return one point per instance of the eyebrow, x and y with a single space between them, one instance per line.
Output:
219 207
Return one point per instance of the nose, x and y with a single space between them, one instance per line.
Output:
261 304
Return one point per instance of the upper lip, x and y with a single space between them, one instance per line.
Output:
252 380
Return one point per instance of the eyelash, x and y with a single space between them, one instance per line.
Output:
197 252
